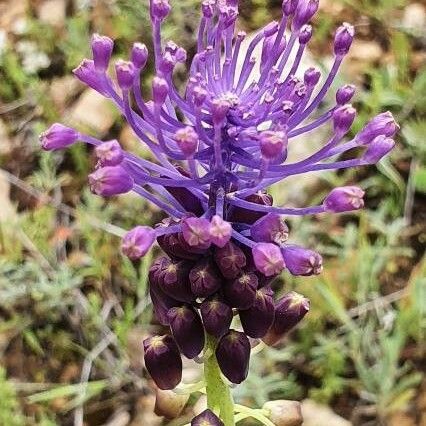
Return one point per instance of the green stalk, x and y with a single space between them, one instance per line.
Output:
219 398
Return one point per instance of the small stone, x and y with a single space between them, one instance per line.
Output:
315 414
169 404
53 12
414 19
284 412
62 89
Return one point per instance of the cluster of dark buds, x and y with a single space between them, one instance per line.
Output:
218 145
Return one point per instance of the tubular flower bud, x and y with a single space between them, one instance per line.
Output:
233 355
204 278
160 9
272 144
241 292
383 124
289 311
163 361
110 180
268 259
206 418
343 118
343 39
289 6
380 147
220 231
270 229
305 34
301 261
125 74
345 94
230 259
187 140
220 108
196 232
217 317
88 75
306 9
137 242
58 137
139 55
257 320
187 330
160 90
109 153
102 47
344 199
312 77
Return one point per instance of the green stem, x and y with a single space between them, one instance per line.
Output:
219 398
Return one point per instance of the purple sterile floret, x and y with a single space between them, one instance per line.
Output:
109 153
58 137
137 242
301 261
206 418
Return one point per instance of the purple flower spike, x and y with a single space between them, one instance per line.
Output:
257 320
196 232
230 259
58 137
383 124
344 199
301 261
217 317
268 259
187 140
241 292
289 311
204 278
109 153
233 355
206 418
163 361
345 94
110 180
139 55
126 72
380 147
102 47
343 39
187 330
137 242
270 229
88 75
220 231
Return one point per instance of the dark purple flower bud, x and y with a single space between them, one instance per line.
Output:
160 9
207 7
173 279
343 117
382 124
110 180
257 320
230 259
109 153
242 215
312 76
217 317
272 144
241 292
289 6
345 94
205 279
187 140
139 55
219 110
289 311
196 231
187 330
301 261
87 74
344 199
270 229
268 259
206 418
220 231
126 73
233 356
58 136
102 47
160 90
306 9
163 361
377 149
305 34
137 242
343 39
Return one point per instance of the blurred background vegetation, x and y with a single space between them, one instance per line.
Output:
73 311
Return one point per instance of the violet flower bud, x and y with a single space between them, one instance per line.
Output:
239 214
217 317
344 199
268 259
230 259
233 356
272 144
382 124
206 418
219 110
167 64
305 34
196 231
220 231
137 242
343 117
160 9
270 229
102 47
187 330
207 8
110 180
139 55
301 261
271 29
58 136
126 73
163 361
160 90
109 153
377 149
289 6
306 9
289 311
87 74
241 292
204 278
312 76
257 320
187 140
343 39
199 95
345 94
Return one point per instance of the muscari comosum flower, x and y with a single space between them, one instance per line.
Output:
219 143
